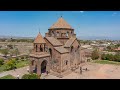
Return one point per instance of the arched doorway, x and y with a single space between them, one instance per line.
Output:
43 66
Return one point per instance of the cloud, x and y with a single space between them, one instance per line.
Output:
81 11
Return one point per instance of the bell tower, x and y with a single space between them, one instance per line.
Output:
39 58
39 43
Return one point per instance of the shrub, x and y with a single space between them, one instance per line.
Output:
16 58
117 57
95 55
30 76
22 57
103 57
10 64
111 57
26 57
1 61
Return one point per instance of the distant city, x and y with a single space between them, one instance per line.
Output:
79 37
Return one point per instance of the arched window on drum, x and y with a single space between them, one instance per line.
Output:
67 34
52 33
58 34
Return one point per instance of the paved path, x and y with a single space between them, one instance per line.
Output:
19 71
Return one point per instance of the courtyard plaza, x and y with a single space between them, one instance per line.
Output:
94 71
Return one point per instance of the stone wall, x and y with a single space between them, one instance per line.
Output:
56 62
49 46
65 62
75 54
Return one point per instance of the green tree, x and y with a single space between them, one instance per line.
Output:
30 76
1 61
103 57
111 57
95 54
10 64
117 57
107 57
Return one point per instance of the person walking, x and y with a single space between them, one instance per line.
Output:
80 70
47 72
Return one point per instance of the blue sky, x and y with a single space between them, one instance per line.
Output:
85 23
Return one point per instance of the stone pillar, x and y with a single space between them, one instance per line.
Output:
30 66
38 67
48 66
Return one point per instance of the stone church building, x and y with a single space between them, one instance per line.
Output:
58 52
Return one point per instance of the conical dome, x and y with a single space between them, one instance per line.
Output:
39 39
61 23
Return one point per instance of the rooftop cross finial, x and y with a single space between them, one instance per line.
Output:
61 14
39 30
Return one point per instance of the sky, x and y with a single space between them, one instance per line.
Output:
85 23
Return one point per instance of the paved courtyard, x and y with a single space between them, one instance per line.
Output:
95 71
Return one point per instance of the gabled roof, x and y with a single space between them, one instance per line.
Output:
39 39
61 49
70 42
54 41
61 23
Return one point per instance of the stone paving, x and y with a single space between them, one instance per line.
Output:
95 71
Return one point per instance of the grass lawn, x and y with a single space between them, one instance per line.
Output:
8 77
19 64
22 63
106 62
2 68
